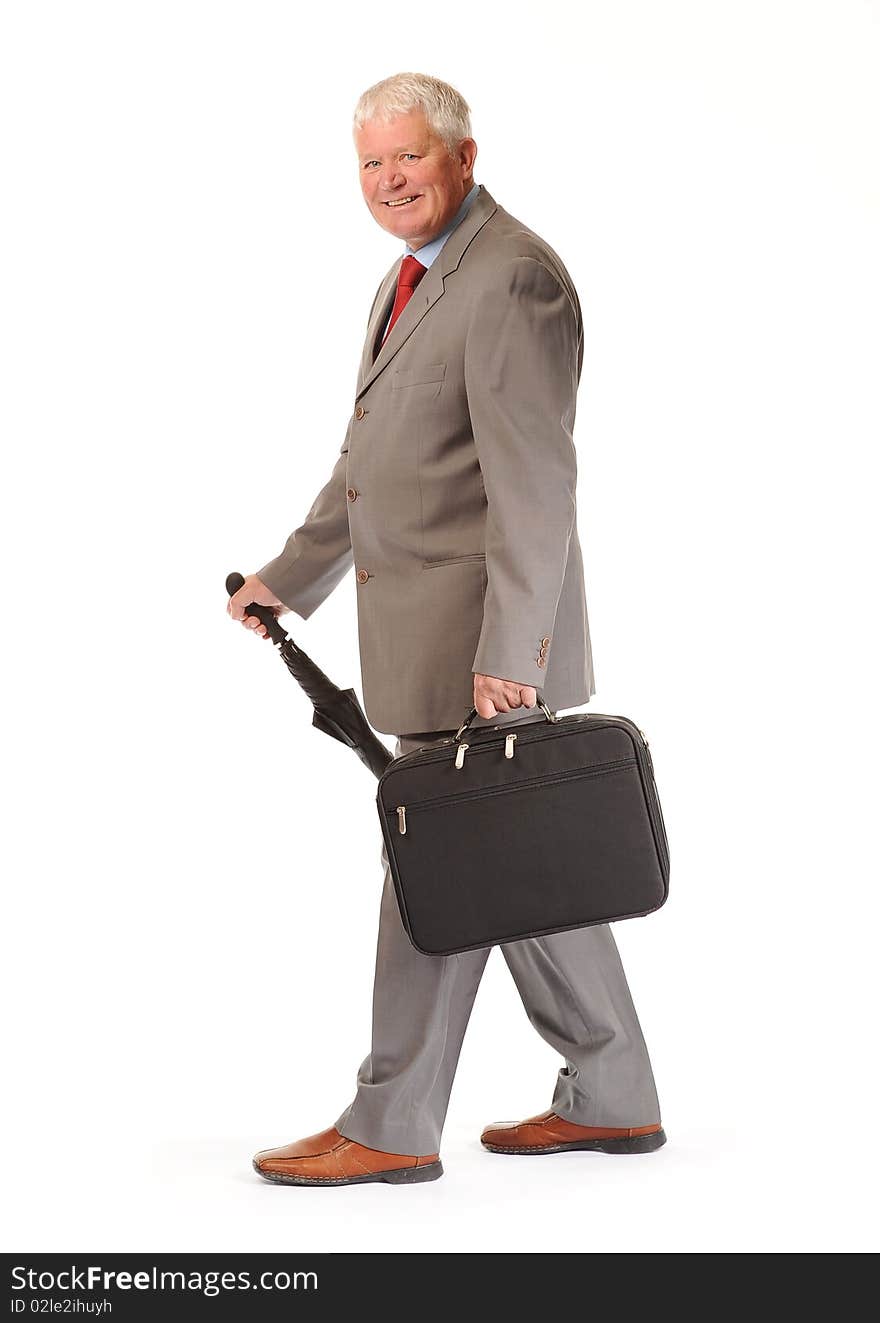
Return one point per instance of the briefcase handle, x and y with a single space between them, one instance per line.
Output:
551 716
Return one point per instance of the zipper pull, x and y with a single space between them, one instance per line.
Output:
401 819
459 757
508 745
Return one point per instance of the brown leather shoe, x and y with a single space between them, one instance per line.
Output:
549 1133
329 1158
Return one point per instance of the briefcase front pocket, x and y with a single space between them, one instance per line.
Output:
544 854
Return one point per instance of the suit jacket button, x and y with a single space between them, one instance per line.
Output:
541 661
363 575
543 652
351 494
545 643
359 412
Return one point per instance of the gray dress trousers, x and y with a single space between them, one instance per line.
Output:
575 994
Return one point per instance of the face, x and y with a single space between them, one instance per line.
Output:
405 159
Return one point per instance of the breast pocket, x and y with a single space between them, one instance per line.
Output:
479 556
417 384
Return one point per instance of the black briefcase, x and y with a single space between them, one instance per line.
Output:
502 833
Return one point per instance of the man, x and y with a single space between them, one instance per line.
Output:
454 498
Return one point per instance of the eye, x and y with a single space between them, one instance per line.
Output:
412 154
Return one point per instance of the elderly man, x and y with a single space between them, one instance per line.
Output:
454 498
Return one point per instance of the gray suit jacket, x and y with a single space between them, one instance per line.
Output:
454 492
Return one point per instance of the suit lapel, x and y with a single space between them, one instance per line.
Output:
429 289
381 313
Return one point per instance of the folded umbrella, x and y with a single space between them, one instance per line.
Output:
337 711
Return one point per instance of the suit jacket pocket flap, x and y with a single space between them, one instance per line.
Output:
418 376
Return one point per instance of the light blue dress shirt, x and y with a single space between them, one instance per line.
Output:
429 252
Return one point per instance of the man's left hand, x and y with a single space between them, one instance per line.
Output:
492 695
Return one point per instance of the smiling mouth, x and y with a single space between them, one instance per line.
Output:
394 203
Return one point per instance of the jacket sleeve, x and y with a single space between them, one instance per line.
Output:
522 364
318 553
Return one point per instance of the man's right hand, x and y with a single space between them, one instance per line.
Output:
253 590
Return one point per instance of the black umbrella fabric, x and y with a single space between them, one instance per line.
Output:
337 711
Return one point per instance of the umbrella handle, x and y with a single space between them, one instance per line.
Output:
264 614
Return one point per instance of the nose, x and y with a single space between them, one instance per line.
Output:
391 182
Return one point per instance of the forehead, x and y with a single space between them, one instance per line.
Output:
405 133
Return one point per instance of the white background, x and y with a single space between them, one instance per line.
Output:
192 872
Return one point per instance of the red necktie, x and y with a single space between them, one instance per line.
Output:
409 275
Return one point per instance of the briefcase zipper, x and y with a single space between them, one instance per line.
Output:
532 783
530 732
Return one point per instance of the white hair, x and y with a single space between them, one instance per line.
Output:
446 112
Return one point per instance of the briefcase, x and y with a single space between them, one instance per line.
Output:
498 834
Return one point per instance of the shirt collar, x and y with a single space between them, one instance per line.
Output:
430 251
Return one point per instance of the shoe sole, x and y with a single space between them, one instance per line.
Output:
638 1144
432 1171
